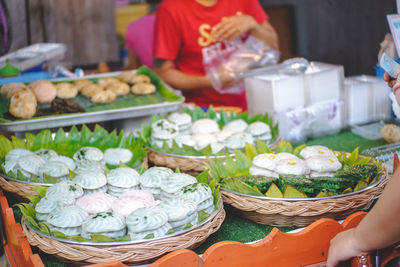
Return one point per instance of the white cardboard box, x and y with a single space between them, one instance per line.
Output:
367 99
307 105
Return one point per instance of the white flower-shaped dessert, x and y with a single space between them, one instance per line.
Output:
88 153
184 139
46 154
91 181
260 130
115 156
257 171
55 169
164 129
294 166
67 161
323 165
180 212
15 154
146 219
123 177
311 151
183 120
174 182
199 193
238 141
223 135
151 179
203 140
67 220
65 187
96 202
47 205
104 223
132 200
237 126
31 164
204 126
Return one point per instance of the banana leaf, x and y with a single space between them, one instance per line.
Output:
222 118
162 95
67 144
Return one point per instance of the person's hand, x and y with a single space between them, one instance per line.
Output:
343 247
231 27
389 80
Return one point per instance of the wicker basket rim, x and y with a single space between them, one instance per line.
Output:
278 138
21 181
125 243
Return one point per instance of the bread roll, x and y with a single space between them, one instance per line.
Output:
80 84
104 82
8 88
119 88
44 91
140 79
66 90
23 104
91 89
143 89
103 97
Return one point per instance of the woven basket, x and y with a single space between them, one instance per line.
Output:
192 165
303 212
21 189
133 253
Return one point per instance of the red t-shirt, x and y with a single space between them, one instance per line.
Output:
183 35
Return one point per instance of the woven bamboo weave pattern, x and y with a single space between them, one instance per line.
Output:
187 165
130 253
21 189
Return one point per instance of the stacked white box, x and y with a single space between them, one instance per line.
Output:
367 99
307 105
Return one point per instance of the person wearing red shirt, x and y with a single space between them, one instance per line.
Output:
192 34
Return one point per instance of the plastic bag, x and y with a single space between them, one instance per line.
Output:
250 54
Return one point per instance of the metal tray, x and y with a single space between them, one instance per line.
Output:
90 117
88 243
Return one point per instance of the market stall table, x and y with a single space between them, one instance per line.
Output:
238 229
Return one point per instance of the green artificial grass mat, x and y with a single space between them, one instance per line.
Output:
236 228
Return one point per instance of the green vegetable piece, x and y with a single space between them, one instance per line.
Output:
44 229
238 186
262 147
77 238
21 177
202 216
298 149
123 239
101 238
189 225
170 231
352 159
33 199
273 191
284 146
149 236
291 192
72 175
47 179
347 190
251 150
360 185
41 190
59 234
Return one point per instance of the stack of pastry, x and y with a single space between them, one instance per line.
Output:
22 100
141 83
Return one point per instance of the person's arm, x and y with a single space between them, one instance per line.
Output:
379 228
176 78
232 27
180 80
134 61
